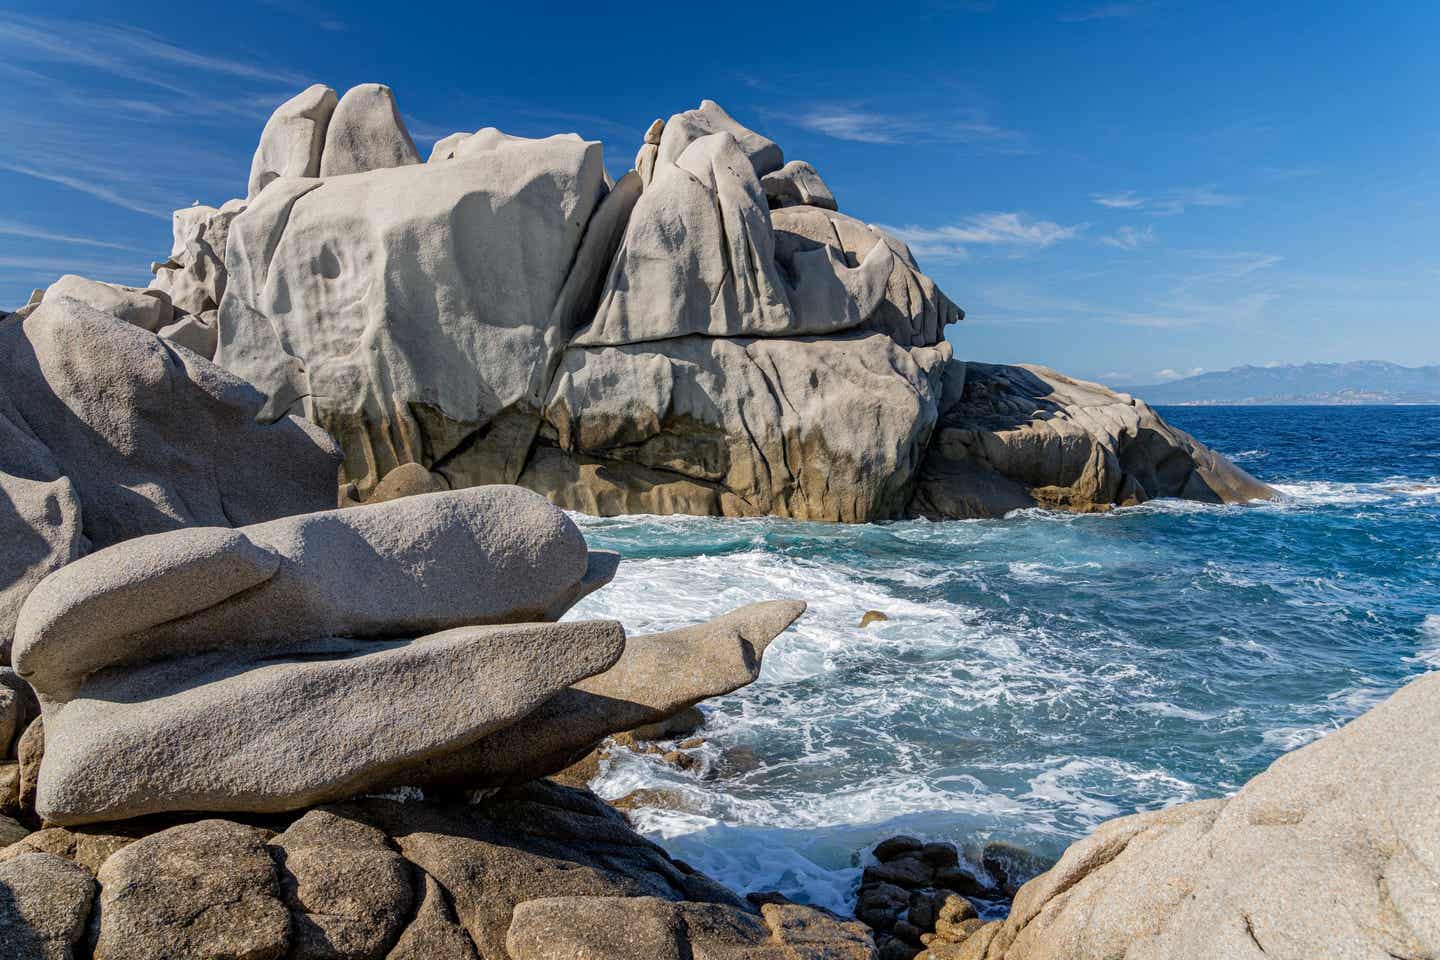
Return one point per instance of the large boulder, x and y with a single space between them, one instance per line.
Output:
366 133
1332 852
385 880
148 310
107 433
911 310
408 310
658 677
812 428
699 257
180 671
293 139
683 129
1011 437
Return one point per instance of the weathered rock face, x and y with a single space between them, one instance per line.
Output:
108 434
643 687
1334 851
824 429
381 880
1013 437
293 139
699 257
408 310
366 133
182 671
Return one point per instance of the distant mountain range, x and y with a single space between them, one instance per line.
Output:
1317 383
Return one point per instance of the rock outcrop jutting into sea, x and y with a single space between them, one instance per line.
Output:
708 335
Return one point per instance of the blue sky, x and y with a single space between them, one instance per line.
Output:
1122 190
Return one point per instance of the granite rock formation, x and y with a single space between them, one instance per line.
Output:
1334 851
538 871
708 335
108 433
1011 437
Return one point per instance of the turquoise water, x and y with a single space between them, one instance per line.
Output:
1042 673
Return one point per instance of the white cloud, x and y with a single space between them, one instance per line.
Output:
1174 202
1128 238
98 190
121 50
1014 230
14 228
1123 200
861 125
1171 374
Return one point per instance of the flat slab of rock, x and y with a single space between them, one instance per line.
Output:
658 676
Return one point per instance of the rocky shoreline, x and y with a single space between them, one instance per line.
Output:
248 711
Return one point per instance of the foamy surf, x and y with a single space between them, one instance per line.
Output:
1036 675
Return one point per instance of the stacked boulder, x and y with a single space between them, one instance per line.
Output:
709 335
202 632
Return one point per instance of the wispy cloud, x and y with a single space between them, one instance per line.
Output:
1167 203
1123 200
1017 231
121 51
1129 238
1105 11
861 125
1178 201
14 228
100 191
48 269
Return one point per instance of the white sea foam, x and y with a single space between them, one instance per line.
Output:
1429 652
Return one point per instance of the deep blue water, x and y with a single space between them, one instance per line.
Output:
1044 672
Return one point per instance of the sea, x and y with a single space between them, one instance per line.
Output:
1040 673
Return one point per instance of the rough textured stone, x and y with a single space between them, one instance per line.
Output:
366 133
683 129
108 434
30 752
814 428
201 890
87 847
912 310
657 677
408 311
407 480
194 275
1333 851
44 905
293 138
536 842
699 257
348 891
18 707
648 928
148 310
434 932
10 789
1011 437
797 184
11 832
